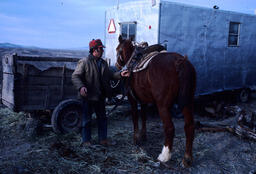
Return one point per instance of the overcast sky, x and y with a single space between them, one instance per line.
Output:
73 23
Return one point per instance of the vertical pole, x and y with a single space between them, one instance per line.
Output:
153 3
25 84
63 82
105 31
159 22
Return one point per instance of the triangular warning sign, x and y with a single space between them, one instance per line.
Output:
111 26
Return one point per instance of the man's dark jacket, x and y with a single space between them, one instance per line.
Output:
87 74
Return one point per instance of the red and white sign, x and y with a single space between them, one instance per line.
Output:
111 26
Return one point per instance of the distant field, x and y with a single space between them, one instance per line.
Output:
44 52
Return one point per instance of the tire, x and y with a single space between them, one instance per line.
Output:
244 95
67 116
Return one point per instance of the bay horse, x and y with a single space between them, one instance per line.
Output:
169 78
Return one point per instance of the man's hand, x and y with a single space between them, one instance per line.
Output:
83 91
125 73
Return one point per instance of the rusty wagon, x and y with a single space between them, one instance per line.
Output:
33 84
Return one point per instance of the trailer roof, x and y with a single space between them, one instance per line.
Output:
132 3
201 7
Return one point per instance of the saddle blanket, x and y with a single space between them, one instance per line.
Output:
143 64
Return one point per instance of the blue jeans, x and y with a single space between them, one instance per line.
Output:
99 108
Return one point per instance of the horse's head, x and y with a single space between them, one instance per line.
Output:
124 51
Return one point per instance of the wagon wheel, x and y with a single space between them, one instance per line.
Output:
67 116
244 95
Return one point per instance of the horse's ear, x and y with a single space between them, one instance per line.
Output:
120 38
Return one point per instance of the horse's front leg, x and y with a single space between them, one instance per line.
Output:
135 119
169 131
143 132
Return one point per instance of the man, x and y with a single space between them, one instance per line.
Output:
91 78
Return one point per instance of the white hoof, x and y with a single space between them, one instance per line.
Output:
165 155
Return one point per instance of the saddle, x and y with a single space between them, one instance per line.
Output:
142 55
143 63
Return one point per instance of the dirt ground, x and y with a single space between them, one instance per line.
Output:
26 147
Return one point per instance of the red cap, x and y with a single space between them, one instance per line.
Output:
96 44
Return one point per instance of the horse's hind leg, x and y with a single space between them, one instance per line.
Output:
169 131
189 131
143 132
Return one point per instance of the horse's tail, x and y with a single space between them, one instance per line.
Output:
180 61
187 82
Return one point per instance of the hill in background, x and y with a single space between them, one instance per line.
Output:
7 48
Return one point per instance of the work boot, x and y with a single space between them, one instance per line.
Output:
104 142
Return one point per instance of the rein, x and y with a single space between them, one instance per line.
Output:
115 85
116 105
130 64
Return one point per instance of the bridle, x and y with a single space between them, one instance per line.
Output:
120 58
129 65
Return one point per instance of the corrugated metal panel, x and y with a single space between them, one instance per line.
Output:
202 34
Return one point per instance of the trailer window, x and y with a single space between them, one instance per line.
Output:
128 30
233 37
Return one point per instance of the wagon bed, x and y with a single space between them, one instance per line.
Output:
36 83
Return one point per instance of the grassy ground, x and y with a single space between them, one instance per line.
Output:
27 148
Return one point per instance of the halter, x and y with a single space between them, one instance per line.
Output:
129 60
